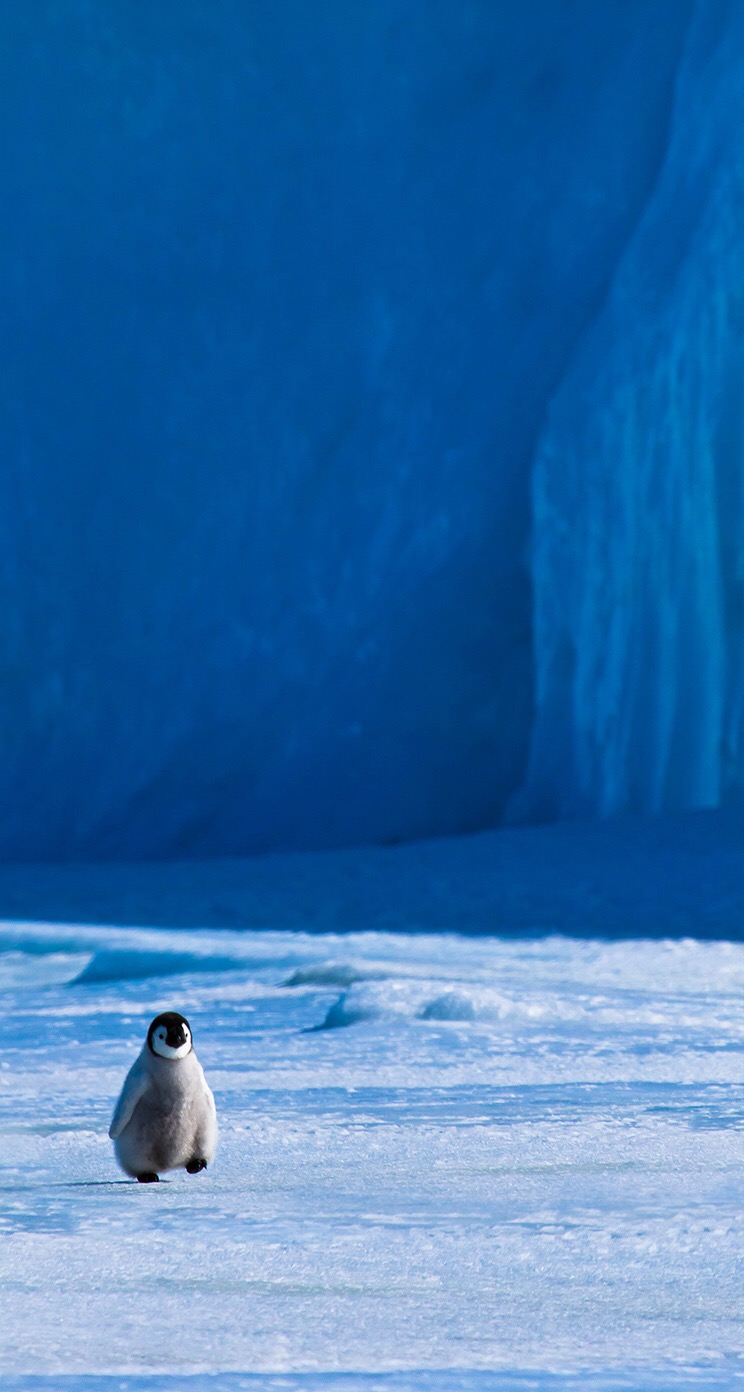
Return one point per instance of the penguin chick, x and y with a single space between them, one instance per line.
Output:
165 1118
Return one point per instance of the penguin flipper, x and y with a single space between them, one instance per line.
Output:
134 1089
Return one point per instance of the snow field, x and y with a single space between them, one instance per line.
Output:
442 1162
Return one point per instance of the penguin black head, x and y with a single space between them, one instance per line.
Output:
169 1036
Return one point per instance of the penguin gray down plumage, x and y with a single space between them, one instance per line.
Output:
165 1118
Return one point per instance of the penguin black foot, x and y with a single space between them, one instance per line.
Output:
194 1166
148 1177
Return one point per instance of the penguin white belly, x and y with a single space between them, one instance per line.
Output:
166 1132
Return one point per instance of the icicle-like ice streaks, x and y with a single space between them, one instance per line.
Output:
638 518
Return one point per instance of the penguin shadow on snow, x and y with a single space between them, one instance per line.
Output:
99 1184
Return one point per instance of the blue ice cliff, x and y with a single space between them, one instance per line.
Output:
371 418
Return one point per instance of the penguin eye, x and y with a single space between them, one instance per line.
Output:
161 1035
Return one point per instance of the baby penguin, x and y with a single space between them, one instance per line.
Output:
165 1117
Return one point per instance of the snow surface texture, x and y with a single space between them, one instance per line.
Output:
301 301
442 1161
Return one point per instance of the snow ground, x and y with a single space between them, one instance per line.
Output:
503 1163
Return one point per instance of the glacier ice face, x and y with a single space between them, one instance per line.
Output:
294 297
638 545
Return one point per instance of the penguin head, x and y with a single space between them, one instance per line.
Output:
169 1036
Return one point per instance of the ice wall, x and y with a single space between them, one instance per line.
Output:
638 528
288 289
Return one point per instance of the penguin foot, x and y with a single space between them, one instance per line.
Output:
194 1166
148 1177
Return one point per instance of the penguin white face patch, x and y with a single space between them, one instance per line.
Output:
159 1043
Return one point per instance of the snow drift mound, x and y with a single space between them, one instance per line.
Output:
131 964
427 1000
